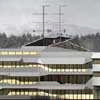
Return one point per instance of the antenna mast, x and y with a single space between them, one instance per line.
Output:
60 19
43 8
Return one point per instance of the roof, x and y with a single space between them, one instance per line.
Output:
50 55
47 85
57 49
96 55
46 41
69 44
37 71
57 55
18 97
64 60
96 81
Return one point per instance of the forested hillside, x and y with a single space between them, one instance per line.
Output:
16 41
91 41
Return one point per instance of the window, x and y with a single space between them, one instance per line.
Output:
18 53
11 53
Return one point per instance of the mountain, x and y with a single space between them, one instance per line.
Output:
71 29
80 30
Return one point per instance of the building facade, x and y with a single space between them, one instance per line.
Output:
47 71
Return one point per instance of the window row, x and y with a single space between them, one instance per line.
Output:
59 96
68 70
17 82
46 68
3 53
62 79
70 66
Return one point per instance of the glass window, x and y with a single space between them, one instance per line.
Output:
13 93
58 70
7 66
74 70
71 70
91 96
79 96
79 70
34 65
34 93
1 66
46 94
67 96
11 53
75 96
33 53
22 92
26 53
50 70
83 96
4 53
62 70
26 92
54 70
67 70
30 93
10 93
19 53
84 70
87 96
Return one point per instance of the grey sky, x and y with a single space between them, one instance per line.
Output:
16 15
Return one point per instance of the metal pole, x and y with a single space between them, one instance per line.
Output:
60 20
43 7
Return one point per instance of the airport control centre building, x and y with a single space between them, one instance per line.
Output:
45 70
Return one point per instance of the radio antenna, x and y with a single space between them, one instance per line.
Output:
43 16
60 19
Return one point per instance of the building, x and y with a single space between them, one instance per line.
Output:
96 74
41 69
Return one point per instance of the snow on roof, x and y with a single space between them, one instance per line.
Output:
51 55
96 55
49 85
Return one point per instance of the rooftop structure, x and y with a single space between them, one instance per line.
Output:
47 41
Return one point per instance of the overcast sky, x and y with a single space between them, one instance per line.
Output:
16 15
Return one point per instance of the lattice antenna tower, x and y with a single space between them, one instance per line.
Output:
43 18
43 14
